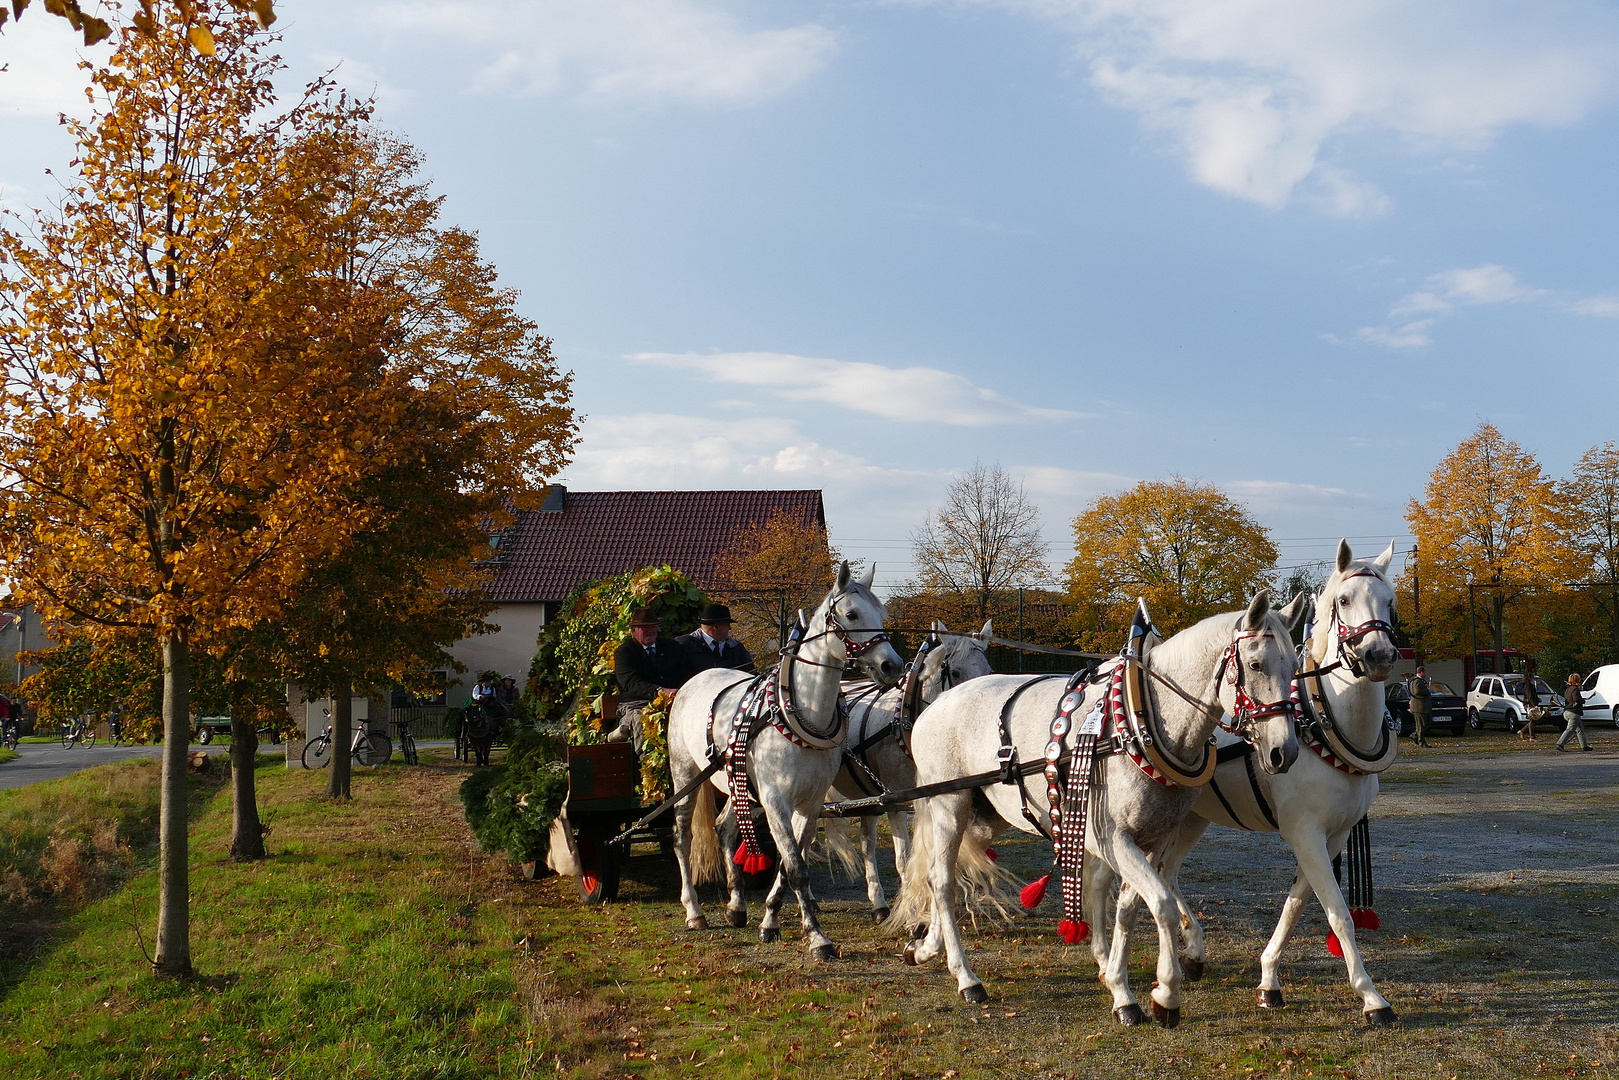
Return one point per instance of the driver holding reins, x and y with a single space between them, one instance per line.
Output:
644 666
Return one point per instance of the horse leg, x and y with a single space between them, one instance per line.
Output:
1180 845
947 818
1100 881
798 830
899 826
874 880
1315 863
1269 995
683 833
736 883
1137 870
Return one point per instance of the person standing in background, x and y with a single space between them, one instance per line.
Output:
1421 695
1573 712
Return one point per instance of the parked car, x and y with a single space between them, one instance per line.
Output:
1449 707
1498 699
1601 690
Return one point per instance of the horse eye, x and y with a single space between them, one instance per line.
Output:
1255 665
852 616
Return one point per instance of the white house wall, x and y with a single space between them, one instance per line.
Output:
509 650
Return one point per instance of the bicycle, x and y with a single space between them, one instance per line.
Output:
78 730
10 733
407 742
369 748
115 730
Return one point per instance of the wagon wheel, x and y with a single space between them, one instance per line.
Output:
598 866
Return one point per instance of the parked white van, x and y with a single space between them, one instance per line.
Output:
1601 690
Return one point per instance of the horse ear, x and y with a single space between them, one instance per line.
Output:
1255 618
1383 560
1295 609
1344 555
869 576
938 625
988 631
843 577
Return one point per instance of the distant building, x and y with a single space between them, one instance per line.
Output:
21 630
584 535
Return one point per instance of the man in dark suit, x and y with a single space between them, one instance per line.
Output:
711 644
643 666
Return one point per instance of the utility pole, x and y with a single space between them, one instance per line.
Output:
1416 604
1020 630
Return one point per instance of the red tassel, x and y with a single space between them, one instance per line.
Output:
741 857
761 863
989 853
1333 946
1365 919
1034 892
1073 932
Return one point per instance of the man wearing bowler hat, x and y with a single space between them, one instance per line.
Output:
711 644
644 665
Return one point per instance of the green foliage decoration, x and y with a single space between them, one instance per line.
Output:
511 806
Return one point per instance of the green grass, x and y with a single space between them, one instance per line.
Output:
375 943
358 949
7 755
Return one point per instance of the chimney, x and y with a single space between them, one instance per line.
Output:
556 500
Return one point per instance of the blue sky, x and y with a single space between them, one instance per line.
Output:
1295 252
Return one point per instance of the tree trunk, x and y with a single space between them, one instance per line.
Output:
247 832
174 884
342 735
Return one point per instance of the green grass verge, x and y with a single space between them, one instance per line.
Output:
7 755
357 950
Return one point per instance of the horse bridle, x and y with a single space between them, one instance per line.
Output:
1246 711
852 649
1348 635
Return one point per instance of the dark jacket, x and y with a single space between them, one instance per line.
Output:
1421 696
698 656
1573 701
640 677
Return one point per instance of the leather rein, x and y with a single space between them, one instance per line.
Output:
1319 728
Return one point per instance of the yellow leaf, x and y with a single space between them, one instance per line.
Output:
202 39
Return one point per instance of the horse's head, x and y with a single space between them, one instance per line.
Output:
957 658
1354 621
852 613
1256 687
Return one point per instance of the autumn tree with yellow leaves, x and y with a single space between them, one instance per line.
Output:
1188 548
211 348
1490 518
771 569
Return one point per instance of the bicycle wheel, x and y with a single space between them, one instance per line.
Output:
407 746
68 736
89 738
376 749
317 753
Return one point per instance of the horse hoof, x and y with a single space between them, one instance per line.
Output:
697 922
1169 1018
1192 969
1130 1015
975 994
824 952
1269 999
767 934
879 915
910 954
737 919
920 932
1381 1018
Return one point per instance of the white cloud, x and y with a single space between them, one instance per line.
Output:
40 55
627 50
1070 483
920 394
1603 307
1258 95
1487 284
1412 335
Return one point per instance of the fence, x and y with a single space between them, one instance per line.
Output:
426 721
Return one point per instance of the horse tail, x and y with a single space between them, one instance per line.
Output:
984 889
838 851
706 863
915 900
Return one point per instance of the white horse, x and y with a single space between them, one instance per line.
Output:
1316 803
1241 662
792 758
877 753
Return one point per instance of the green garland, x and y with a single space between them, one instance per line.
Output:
572 674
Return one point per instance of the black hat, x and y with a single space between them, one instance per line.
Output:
643 617
714 615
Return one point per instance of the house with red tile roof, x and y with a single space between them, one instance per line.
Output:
580 536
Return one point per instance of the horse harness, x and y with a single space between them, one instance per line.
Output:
770 698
